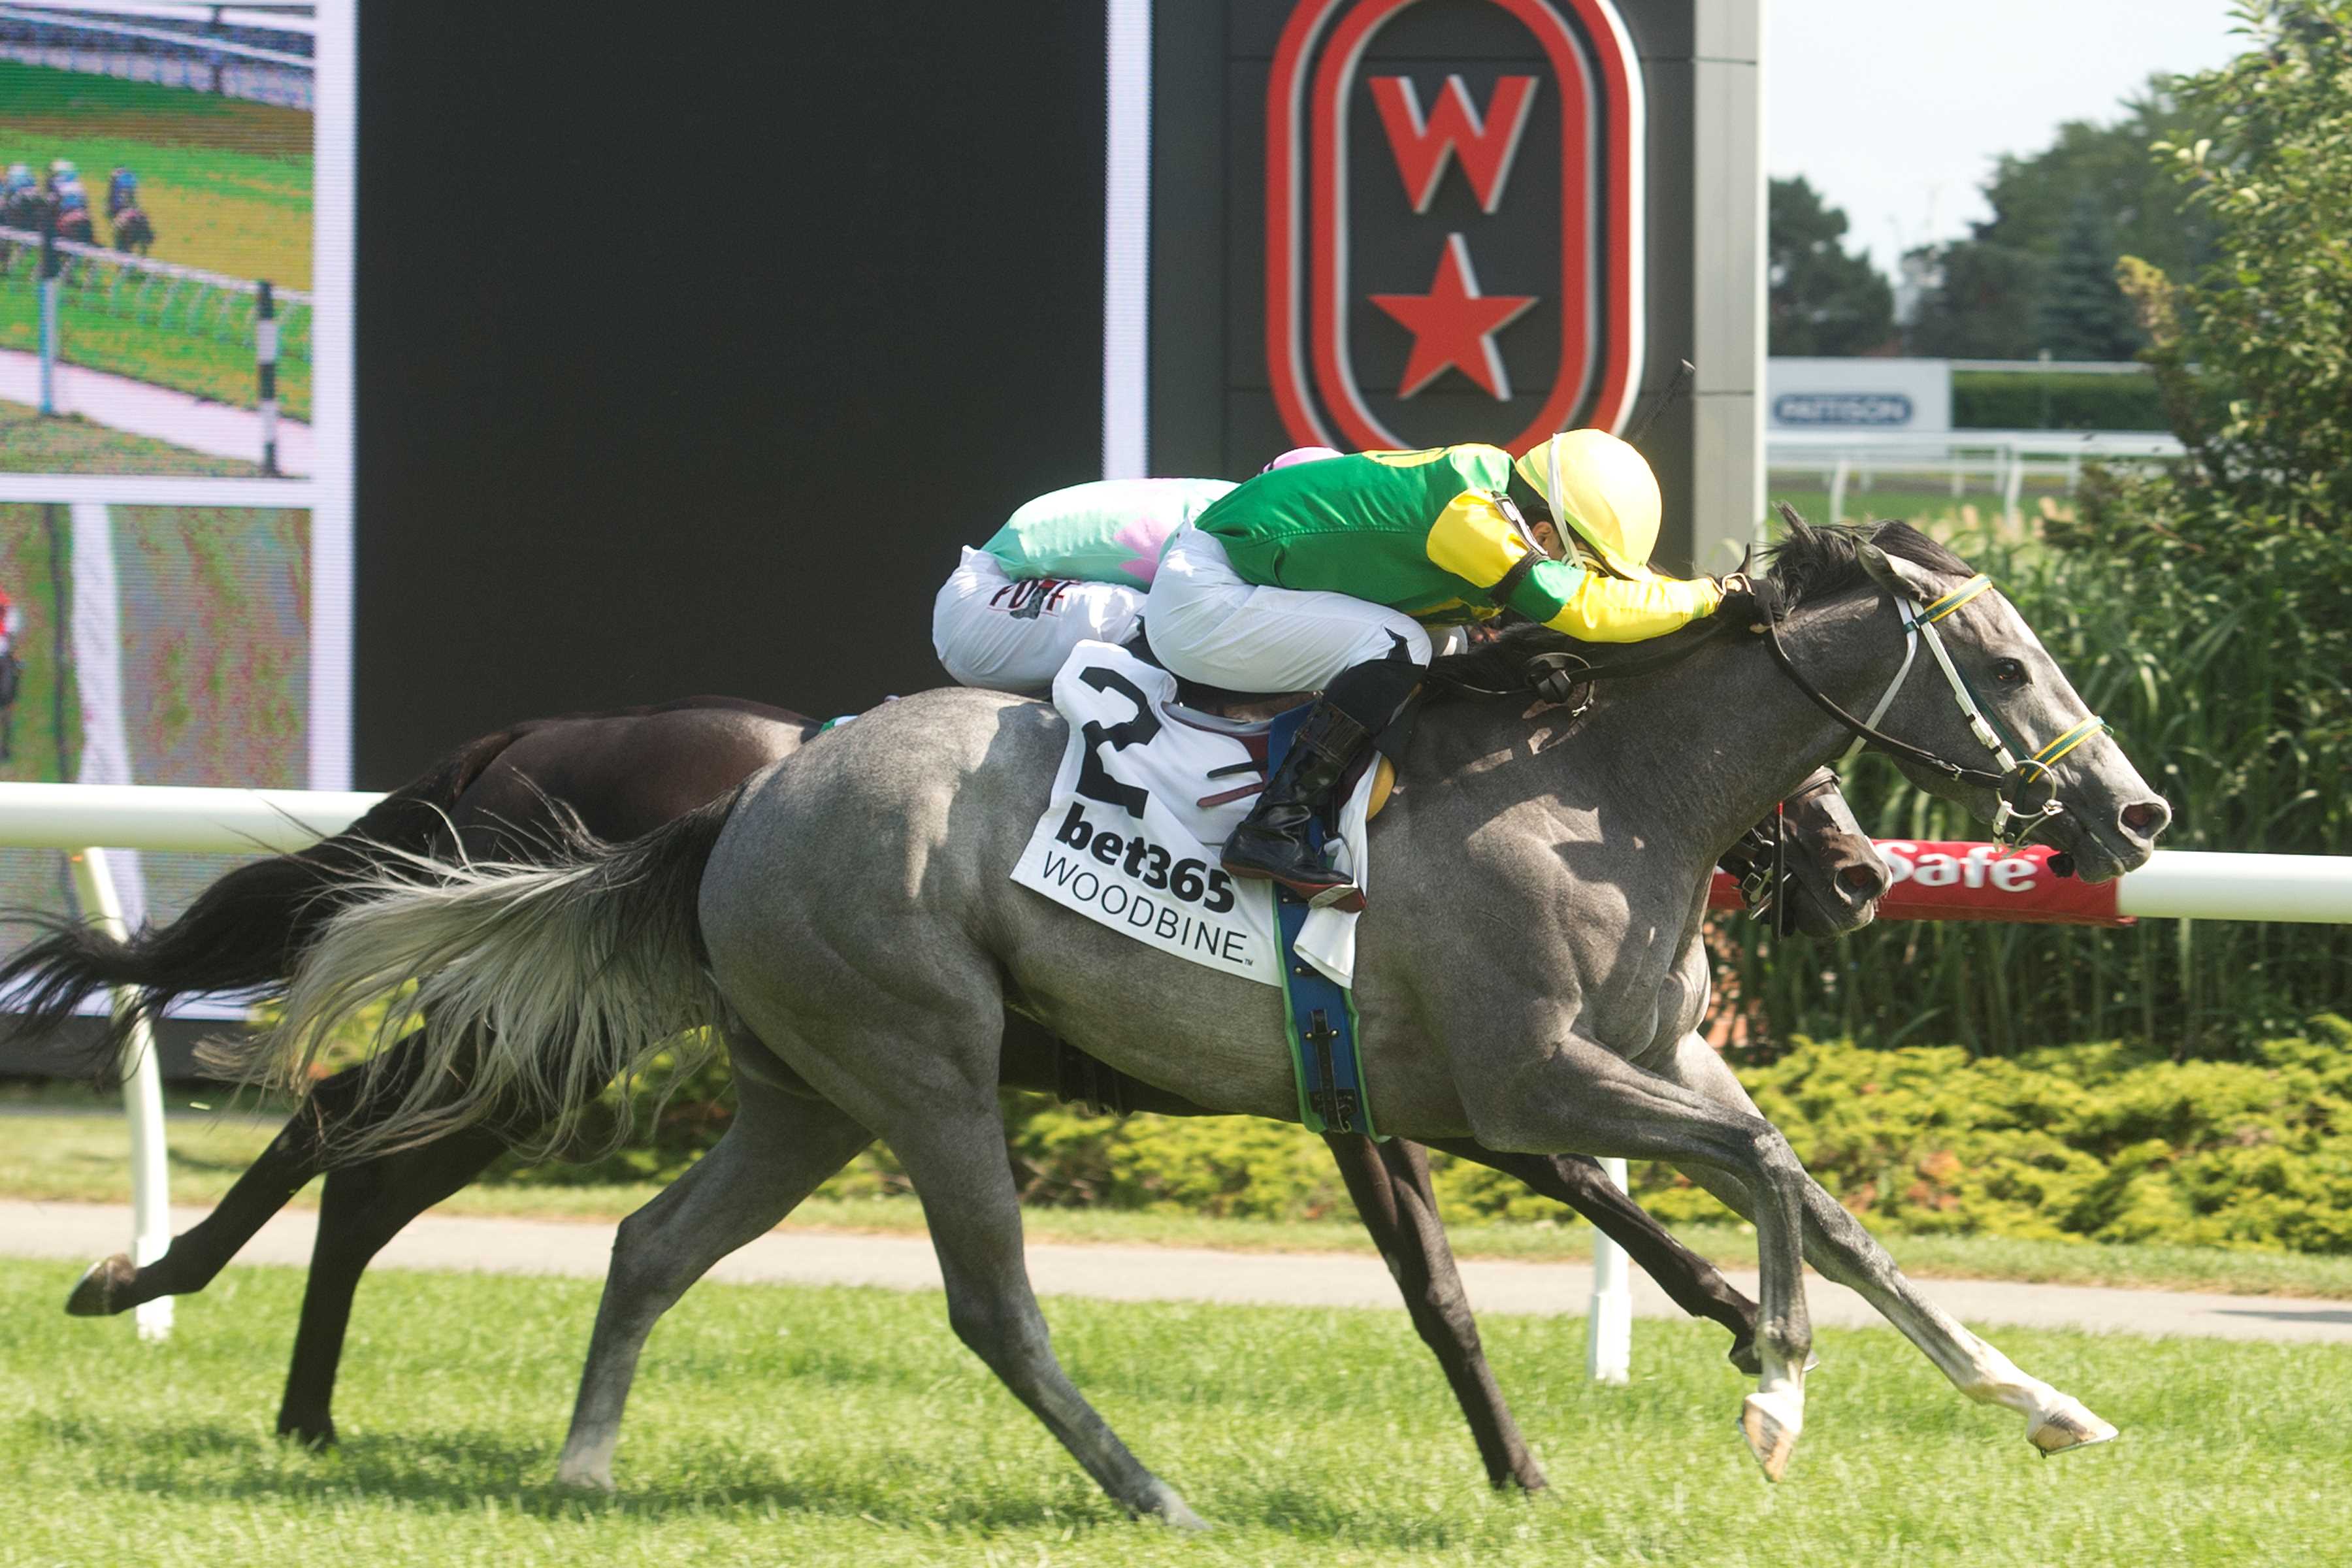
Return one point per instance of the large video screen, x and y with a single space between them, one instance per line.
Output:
175 306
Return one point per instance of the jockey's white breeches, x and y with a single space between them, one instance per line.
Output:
1209 623
1006 635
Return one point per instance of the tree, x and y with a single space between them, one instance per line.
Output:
2083 315
2254 352
1995 301
1823 300
1982 304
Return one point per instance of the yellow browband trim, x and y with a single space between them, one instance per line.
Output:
1955 598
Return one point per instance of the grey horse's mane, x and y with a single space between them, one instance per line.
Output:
1807 565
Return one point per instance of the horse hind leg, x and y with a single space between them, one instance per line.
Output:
779 1148
955 1158
365 1205
198 1254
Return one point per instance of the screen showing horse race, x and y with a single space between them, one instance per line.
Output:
174 447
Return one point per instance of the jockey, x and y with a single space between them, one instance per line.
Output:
1070 567
1326 575
1066 567
65 184
16 183
121 190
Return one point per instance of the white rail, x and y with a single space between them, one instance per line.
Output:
2205 885
159 816
131 262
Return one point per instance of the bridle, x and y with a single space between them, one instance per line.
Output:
2025 788
1758 861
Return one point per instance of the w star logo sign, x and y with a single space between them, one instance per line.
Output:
1453 248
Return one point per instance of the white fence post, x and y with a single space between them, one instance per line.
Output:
1609 1342
142 1102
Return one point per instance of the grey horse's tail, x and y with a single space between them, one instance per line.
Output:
540 984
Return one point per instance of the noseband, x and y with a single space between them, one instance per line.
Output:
2025 788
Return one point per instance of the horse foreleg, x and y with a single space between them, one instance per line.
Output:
1390 1184
1693 1284
1836 1244
1581 1095
778 1149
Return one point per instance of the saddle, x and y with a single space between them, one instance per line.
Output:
1244 716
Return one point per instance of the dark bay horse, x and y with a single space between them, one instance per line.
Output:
511 794
134 233
1531 981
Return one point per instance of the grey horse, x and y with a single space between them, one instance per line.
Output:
1528 975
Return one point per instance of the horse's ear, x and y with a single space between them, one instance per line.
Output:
1895 575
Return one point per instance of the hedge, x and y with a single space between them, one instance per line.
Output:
2102 1142
2054 400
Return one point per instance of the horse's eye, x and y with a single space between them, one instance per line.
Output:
2009 671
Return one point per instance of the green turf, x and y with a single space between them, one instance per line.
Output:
836 1426
61 1156
228 185
206 365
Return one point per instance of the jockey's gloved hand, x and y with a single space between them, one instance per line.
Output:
1753 601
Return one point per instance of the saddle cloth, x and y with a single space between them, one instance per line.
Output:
1147 791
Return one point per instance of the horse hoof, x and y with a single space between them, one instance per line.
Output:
1175 1514
1770 1422
2069 1425
93 1295
585 1477
318 1436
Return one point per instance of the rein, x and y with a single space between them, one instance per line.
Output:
1758 861
1553 674
2026 789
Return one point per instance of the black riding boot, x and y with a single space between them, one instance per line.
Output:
1271 843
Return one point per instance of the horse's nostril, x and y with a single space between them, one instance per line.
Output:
1861 883
2145 818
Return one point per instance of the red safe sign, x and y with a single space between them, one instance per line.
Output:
1447 235
1947 881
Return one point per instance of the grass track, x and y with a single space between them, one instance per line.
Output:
806 1425
227 182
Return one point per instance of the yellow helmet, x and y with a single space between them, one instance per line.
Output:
1603 489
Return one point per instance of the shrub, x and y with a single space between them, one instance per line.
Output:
2103 1141
2054 400
2100 1142
2094 1141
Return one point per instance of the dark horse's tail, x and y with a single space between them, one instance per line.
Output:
544 982
246 930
